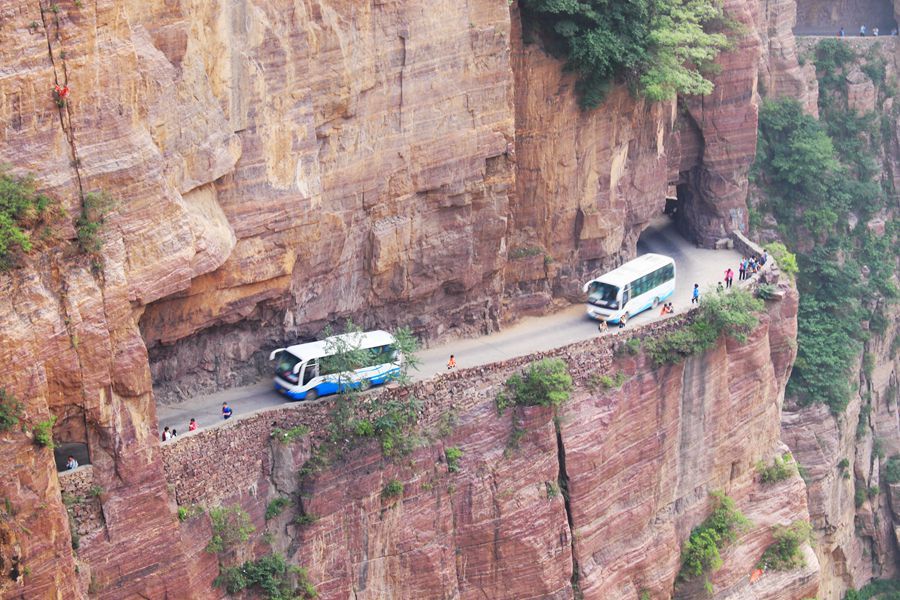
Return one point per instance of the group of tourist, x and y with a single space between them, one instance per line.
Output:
168 434
863 32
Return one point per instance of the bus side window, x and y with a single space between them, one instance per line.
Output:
626 295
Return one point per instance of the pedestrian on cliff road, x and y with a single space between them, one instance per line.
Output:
742 269
166 435
862 31
602 327
695 295
192 426
71 463
875 31
720 288
174 433
729 277
226 411
841 32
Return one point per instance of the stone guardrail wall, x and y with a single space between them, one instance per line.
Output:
212 465
82 499
216 464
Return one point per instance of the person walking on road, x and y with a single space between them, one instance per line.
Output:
192 426
841 32
862 31
174 433
729 277
166 436
602 327
742 269
451 364
226 411
695 295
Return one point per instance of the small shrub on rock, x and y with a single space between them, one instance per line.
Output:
10 411
271 575
393 489
276 507
287 436
186 513
892 469
700 553
785 553
21 208
787 260
543 383
780 469
43 433
231 526
453 455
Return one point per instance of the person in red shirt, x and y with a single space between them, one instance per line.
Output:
192 426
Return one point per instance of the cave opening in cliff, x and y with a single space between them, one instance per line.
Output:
70 437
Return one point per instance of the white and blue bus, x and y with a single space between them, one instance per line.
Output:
632 288
303 371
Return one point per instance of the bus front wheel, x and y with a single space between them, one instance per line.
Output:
311 395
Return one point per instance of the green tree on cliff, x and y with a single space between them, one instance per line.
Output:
661 47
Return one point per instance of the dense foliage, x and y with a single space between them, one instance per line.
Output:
892 469
21 209
700 554
544 383
820 177
785 553
880 589
662 47
733 312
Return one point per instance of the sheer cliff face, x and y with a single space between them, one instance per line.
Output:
276 165
594 502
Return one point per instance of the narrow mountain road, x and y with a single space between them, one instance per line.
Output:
531 334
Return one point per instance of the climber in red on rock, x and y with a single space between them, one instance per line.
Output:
61 92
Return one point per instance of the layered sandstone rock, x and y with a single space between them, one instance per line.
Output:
599 498
780 73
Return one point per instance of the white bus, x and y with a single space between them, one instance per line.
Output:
632 288
303 371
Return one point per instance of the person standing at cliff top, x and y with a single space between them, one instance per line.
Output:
192 426
695 295
226 411
451 364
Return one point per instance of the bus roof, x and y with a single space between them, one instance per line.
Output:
633 269
368 339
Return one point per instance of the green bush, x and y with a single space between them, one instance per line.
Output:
43 433
733 313
393 489
286 436
305 519
231 526
785 553
607 382
700 553
21 208
664 47
859 493
94 208
190 511
892 469
276 507
766 291
10 411
879 589
453 455
780 469
844 464
271 575
544 383
787 260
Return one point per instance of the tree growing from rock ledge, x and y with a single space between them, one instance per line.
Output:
660 47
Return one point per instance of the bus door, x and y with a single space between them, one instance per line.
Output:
310 370
626 295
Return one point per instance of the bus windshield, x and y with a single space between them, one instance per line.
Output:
603 294
286 364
